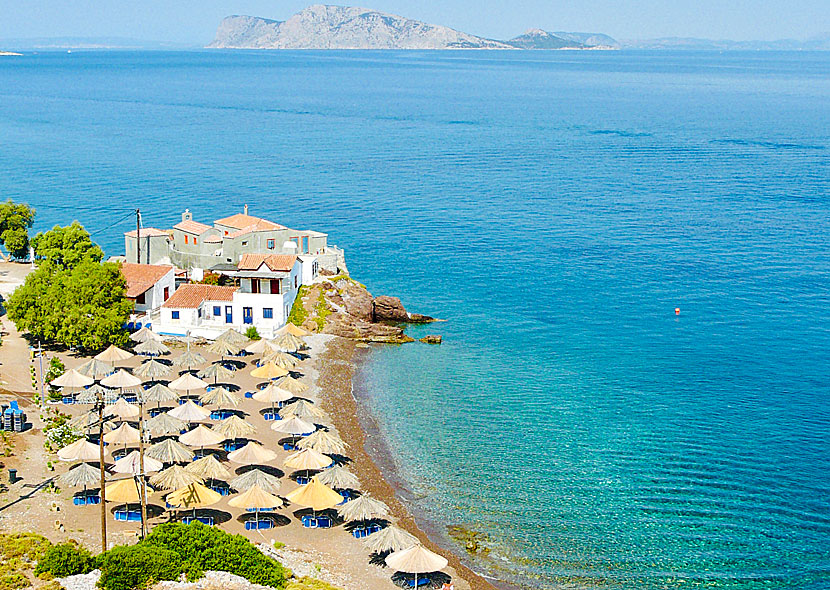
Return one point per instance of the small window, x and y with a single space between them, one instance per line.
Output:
295 281
195 241
226 232
139 299
268 313
217 310
174 315
199 312
269 244
185 239
245 243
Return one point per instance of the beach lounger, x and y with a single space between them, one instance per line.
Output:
86 500
319 522
220 414
272 509
271 416
128 515
421 582
365 531
262 523
221 490
68 400
290 447
208 520
303 480
233 445
249 394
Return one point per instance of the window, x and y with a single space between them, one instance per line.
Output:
195 241
275 286
139 299
295 281
174 315
245 243
254 285
269 244
217 310
185 239
268 313
166 293
199 312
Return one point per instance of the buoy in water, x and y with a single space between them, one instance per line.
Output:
676 311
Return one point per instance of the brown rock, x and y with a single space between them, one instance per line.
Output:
431 339
357 301
348 326
389 309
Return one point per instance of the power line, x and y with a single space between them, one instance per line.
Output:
113 224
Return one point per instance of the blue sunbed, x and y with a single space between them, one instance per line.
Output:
318 522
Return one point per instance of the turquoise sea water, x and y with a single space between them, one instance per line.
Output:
556 208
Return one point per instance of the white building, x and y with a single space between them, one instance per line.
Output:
268 286
148 286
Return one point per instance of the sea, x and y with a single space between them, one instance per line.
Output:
631 251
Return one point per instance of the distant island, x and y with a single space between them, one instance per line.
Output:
9 53
344 27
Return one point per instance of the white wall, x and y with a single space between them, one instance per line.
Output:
154 297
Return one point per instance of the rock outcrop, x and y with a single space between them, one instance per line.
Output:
342 27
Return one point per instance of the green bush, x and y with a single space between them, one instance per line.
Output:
137 567
201 548
66 559
28 545
13 581
252 333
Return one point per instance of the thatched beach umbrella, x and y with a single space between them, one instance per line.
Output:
189 359
88 422
123 435
252 454
160 394
295 386
173 478
131 464
208 467
152 370
281 359
324 442
120 380
256 499
416 560
293 329
258 346
294 426
223 348
193 496
289 343
302 409
307 460
143 335
95 368
73 379
187 382
362 509
391 538
123 490
113 355
152 348
256 477
80 450
216 371
121 409
170 451
269 371
272 395
164 425
314 495
231 335
201 437
234 427
92 394
339 478
83 474
189 412
220 397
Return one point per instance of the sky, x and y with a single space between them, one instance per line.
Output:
195 21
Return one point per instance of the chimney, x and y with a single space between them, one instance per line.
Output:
246 208
187 215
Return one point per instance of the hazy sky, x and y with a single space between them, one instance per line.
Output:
194 21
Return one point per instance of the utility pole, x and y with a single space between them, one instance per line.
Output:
40 362
138 236
142 491
100 404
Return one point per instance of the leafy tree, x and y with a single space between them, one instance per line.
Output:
15 220
66 247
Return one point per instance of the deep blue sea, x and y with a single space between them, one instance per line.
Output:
555 208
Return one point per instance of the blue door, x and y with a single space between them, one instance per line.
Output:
228 314
247 315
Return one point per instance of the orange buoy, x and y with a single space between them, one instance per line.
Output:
676 311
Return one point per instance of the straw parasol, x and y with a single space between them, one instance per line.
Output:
221 397
294 426
416 560
189 359
121 409
390 538
72 378
314 495
293 329
159 393
324 442
189 412
87 422
80 450
363 508
223 348
272 395
131 464
174 477
120 380
339 478
295 386
234 428
95 368
201 437
143 335
152 348
258 346
281 359
91 394
208 467
217 371
82 474
290 343
256 499
252 454
113 355
123 490
194 495
170 451
164 425
231 335
187 382
306 460
302 409
257 477
123 435
269 371
152 370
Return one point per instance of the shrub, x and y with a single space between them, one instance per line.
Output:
66 559
201 548
298 312
137 567
252 333
28 545
13 581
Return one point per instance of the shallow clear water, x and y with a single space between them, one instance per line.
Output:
555 208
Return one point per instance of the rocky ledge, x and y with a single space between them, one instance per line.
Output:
343 307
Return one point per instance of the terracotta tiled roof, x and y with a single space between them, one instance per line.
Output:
275 262
241 221
192 296
141 277
192 227
213 240
148 231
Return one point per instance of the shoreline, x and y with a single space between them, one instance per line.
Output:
337 368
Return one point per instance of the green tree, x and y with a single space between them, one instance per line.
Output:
66 247
137 567
15 221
